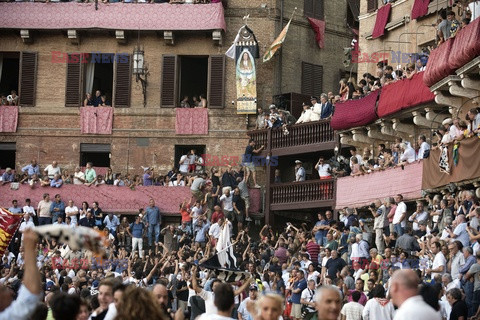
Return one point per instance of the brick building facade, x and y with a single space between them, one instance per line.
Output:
145 135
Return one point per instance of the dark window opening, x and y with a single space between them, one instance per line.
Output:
97 154
372 5
181 150
9 72
193 77
353 9
312 79
314 9
7 155
103 79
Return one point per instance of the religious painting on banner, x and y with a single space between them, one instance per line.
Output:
246 51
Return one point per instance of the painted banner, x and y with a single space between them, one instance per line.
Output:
9 223
246 80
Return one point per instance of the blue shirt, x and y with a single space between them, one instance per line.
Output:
56 214
8 177
31 170
200 232
137 229
147 181
56 183
321 233
152 215
15 210
302 285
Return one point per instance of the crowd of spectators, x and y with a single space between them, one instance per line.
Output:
100 100
359 257
10 100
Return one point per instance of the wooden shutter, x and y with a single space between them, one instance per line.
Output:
169 82
312 79
74 82
372 5
318 9
216 82
28 78
122 82
308 8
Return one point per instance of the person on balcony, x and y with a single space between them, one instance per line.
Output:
306 114
474 118
316 109
424 150
407 154
260 122
327 107
324 169
299 171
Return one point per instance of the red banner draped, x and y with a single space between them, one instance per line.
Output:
355 113
96 120
437 66
382 18
191 121
9 223
318 27
466 45
420 8
8 118
113 16
403 94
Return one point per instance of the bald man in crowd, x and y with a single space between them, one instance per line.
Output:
405 295
328 303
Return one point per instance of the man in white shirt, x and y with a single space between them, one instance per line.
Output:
72 211
243 313
457 259
460 232
28 208
316 109
419 215
408 154
78 176
299 171
306 114
184 163
424 147
399 218
439 266
52 169
26 224
353 152
404 292
324 169
214 231
210 307
227 201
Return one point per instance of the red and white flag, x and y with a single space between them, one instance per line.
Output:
9 223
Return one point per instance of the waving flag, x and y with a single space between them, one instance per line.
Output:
277 43
76 239
224 262
9 223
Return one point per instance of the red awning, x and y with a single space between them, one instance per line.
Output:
112 16
403 94
382 18
420 8
8 118
355 113
351 191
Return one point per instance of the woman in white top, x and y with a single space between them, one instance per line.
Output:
312 274
84 210
378 308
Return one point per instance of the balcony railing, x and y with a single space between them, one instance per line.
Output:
304 134
304 194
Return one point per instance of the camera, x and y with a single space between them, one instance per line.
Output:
372 205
